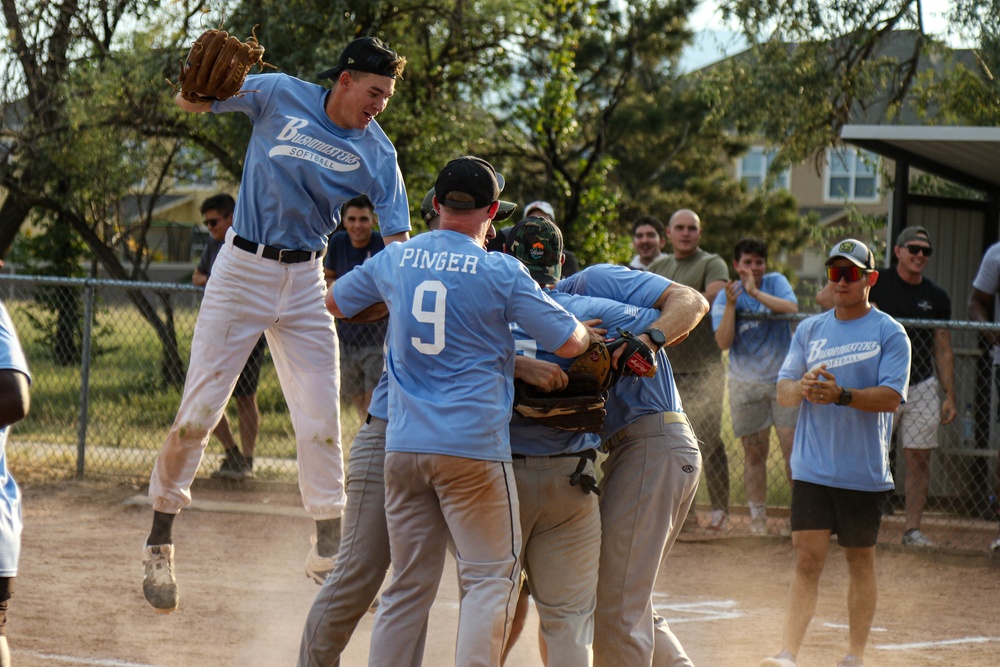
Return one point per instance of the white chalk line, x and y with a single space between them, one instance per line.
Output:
99 662
845 626
696 612
942 642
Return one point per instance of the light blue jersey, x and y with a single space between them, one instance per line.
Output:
11 358
840 446
529 438
451 352
760 346
300 167
629 400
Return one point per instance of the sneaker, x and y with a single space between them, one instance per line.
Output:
719 521
995 548
318 568
758 526
234 469
914 538
783 659
850 660
158 582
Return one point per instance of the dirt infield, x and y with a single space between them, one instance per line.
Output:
244 595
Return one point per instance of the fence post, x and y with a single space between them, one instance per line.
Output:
88 321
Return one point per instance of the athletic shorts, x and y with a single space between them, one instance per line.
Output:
916 421
754 408
360 369
853 516
246 383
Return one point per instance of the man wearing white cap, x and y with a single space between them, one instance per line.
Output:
848 369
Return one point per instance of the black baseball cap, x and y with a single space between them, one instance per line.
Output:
365 54
468 182
427 211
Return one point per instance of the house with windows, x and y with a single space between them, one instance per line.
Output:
849 178
845 177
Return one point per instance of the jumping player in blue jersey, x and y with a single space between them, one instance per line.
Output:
311 150
450 363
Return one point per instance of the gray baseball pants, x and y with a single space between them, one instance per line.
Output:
650 478
561 528
363 560
428 497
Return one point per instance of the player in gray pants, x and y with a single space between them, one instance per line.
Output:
650 476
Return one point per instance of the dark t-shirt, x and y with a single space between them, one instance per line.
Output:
341 257
208 256
926 301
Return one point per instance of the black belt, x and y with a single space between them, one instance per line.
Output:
587 483
368 419
279 254
574 455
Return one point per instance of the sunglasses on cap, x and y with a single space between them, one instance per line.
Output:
917 249
851 274
212 222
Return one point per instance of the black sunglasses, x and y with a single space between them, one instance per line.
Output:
917 249
212 222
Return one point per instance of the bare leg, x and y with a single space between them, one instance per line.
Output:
249 414
755 448
786 436
862 594
918 463
811 549
224 433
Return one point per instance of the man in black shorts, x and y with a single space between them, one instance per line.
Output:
849 370
217 214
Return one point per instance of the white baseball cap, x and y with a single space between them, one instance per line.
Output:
542 206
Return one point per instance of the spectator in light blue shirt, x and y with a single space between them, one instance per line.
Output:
757 349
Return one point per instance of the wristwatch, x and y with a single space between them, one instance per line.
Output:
656 336
845 397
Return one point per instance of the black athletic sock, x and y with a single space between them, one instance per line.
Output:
163 525
327 537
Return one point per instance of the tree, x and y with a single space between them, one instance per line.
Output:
77 118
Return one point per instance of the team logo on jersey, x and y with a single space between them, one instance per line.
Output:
301 146
841 355
537 250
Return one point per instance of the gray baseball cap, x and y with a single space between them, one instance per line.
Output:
855 252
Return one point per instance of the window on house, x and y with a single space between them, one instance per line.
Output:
753 168
851 175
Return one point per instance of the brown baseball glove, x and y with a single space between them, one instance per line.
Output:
217 65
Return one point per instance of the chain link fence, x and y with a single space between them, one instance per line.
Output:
108 360
961 510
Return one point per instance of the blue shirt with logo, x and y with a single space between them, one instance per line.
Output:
759 346
840 446
300 167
